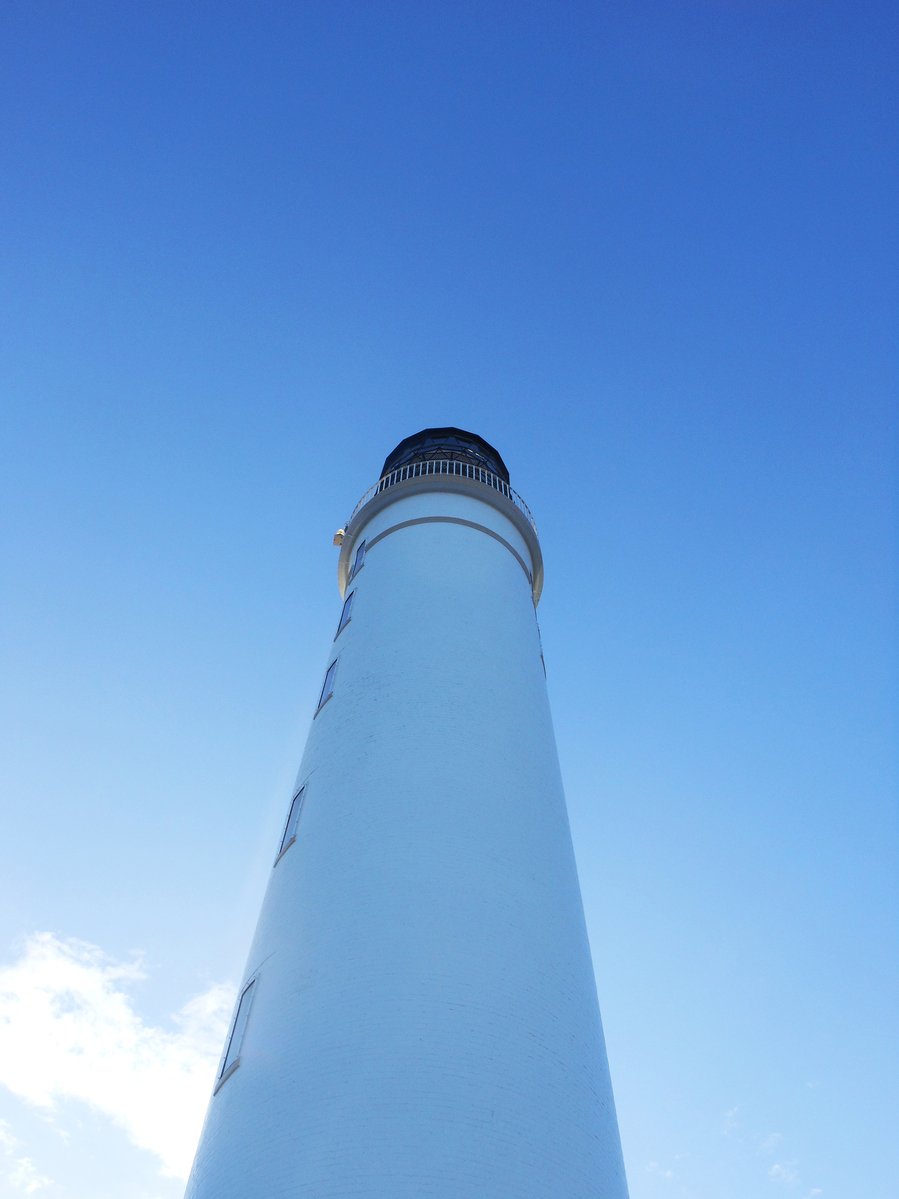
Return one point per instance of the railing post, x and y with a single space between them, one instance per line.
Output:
445 466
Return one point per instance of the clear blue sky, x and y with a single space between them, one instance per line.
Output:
648 250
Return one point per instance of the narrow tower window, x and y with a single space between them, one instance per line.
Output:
358 560
327 686
293 819
231 1059
345 614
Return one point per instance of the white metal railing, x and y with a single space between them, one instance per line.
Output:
445 466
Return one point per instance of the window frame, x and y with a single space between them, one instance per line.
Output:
330 675
346 613
238 1030
294 812
358 559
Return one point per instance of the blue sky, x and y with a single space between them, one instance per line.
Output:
649 252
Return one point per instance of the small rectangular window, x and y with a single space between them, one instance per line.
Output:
238 1028
358 560
327 686
345 614
293 819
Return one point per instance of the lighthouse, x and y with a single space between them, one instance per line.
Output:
418 1017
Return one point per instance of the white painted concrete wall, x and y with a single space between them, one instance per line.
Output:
424 1024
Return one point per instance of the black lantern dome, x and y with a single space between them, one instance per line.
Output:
447 444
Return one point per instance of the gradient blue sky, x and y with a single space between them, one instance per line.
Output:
649 251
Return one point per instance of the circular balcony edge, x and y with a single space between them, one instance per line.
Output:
380 499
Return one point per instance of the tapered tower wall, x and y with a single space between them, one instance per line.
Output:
424 1019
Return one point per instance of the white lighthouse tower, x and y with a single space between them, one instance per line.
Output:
418 1018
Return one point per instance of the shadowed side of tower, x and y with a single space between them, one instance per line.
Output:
418 1016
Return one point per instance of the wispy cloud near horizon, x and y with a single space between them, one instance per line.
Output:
784 1172
19 1171
69 1030
662 1171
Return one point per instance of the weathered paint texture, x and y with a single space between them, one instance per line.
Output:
424 1022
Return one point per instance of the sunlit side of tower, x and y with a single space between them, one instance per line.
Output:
418 1018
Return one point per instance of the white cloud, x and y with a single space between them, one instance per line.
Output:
784 1172
769 1143
24 1177
655 1168
731 1122
69 1030
7 1141
20 1172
